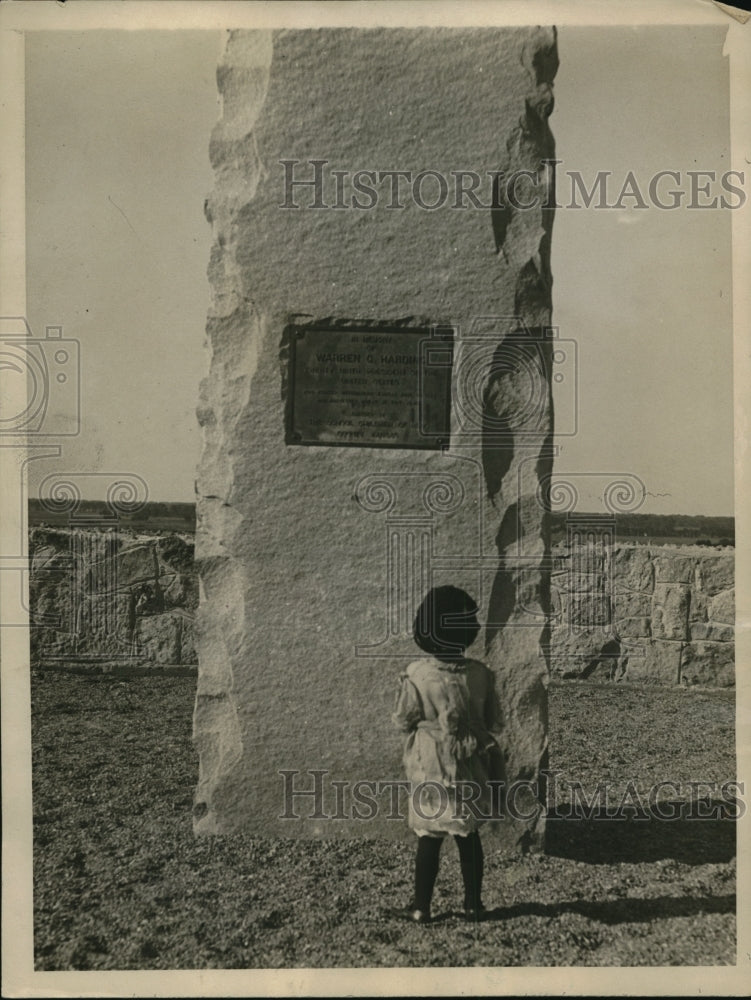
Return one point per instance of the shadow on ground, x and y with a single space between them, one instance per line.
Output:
604 841
621 911
625 910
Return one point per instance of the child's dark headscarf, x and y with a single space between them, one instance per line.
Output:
446 623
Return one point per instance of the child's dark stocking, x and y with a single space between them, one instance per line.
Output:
426 870
471 859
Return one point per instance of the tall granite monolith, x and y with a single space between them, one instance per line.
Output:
383 203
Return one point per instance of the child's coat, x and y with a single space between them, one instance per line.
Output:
451 715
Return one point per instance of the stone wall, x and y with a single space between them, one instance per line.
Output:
112 597
666 613
659 615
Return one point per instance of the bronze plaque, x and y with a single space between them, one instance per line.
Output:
370 388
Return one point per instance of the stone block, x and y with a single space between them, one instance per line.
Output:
137 564
722 607
180 590
592 610
111 611
713 631
48 560
49 606
637 628
51 633
710 663
716 573
633 568
661 663
632 613
699 608
573 646
104 624
674 567
43 537
631 604
188 655
293 547
584 583
670 604
558 603
158 637
578 653
176 554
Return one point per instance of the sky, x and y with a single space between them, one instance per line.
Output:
118 127
647 293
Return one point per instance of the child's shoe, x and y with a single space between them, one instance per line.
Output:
475 914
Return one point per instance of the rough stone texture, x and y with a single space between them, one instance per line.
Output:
103 625
670 605
188 653
634 569
586 654
712 630
699 607
581 583
116 597
137 565
661 663
673 568
639 628
160 636
49 558
97 624
690 607
291 540
711 663
722 607
592 607
716 573
628 604
180 590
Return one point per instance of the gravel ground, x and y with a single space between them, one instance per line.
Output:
121 883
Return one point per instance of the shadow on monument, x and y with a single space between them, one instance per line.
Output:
602 841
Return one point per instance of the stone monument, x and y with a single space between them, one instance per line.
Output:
377 415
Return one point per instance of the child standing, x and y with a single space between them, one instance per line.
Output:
448 709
